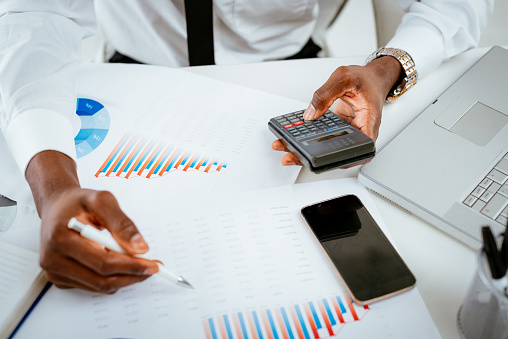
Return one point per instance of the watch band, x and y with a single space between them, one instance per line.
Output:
407 64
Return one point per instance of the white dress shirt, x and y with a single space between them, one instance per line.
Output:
40 48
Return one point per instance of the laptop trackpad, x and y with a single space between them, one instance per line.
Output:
480 124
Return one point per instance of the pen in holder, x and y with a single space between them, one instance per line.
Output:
484 313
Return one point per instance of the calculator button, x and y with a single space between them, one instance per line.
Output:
305 131
333 127
298 123
288 126
296 134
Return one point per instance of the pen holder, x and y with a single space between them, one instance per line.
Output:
484 313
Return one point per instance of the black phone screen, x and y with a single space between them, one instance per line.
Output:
365 259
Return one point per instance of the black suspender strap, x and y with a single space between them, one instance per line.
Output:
199 16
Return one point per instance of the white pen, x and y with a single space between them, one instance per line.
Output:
102 239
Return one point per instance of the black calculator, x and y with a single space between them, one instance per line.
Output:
322 144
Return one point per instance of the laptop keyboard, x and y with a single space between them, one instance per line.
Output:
490 197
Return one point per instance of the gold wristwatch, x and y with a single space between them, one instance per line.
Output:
407 64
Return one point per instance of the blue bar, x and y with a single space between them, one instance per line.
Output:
215 163
185 159
228 328
212 328
205 162
194 162
258 328
272 324
144 157
286 321
242 323
225 165
329 312
134 157
126 154
168 153
314 314
302 322
114 156
154 157
342 308
175 159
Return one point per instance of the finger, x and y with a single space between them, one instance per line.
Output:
87 279
335 87
105 262
108 214
290 159
277 145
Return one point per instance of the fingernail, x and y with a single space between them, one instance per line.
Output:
288 163
309 113
138 243
277 148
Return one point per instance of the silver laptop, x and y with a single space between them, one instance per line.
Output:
450 165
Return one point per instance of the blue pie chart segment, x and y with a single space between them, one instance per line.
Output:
94 126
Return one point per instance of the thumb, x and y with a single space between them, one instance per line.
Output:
111 216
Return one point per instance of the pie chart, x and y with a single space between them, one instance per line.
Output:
94 126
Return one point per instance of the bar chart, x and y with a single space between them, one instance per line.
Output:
94 126
309 320
138 156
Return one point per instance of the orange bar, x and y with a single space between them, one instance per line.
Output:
352 308
200 162
189 162
158 161
282 325
181 159
337 311
325 317
237 326
208 332
208 166
297 323
252 326
120 156
220 166
267 325
150 157
311 321
165 167
130 156
222 327
111 155
140 156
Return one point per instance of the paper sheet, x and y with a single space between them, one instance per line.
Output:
175 132
19 270
257 270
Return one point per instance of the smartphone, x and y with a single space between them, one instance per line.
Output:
322 144
364 259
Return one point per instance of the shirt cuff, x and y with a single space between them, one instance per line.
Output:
39 130
424 45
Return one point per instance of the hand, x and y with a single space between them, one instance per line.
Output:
360 92
69 259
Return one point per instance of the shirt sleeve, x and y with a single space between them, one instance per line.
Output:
435 30
40 44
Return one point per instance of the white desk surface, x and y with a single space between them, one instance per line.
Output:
443 266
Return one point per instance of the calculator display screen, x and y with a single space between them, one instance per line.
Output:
326 137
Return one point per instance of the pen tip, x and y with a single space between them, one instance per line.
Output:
185 283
